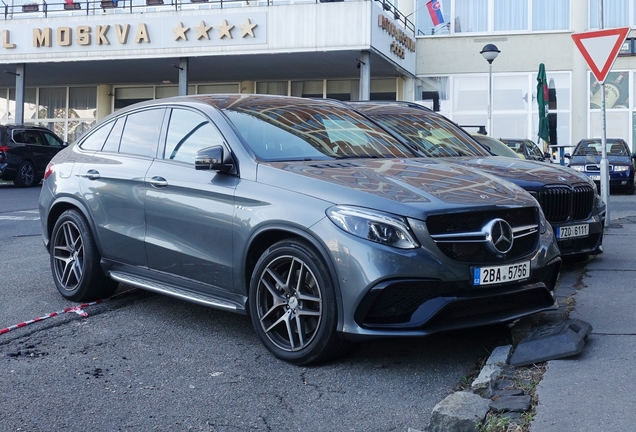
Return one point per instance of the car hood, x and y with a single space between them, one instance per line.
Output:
525 173
591 159
403 184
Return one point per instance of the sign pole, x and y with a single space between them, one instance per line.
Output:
604 163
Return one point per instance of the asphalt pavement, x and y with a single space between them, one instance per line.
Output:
595 390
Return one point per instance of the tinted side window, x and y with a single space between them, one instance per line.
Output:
112 142
189 132
95 141
141 132
18 136
51 140
27 137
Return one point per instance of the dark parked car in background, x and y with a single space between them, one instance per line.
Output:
25 151
301 213
527 148
569 200
586 158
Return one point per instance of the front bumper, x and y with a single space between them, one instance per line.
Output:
588 245
388 292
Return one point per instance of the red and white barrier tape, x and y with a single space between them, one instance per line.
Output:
79 309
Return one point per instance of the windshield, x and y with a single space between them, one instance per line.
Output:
433 136
312 131
594 148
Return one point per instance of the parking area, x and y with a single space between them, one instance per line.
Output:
147 362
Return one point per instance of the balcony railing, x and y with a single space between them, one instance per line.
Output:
99 7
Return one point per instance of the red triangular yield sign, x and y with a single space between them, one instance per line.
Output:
600 49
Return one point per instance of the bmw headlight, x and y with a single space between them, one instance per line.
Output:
621 168
373 225
577 167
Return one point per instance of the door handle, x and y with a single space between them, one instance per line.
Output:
92 174
158 182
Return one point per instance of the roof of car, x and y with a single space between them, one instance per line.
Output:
516 140
24 126
598 140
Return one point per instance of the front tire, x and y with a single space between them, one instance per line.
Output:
292 304
25 176
75 260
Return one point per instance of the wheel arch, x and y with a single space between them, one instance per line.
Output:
266 236
60 206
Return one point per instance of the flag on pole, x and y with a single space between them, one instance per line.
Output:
543 98
435 10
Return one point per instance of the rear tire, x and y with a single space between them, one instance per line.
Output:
25 176
293 306
75 260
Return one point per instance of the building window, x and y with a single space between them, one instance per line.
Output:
170 91
621 111
307 88
383 89
344 90
550 15
218 88
67 111
6 116
510 15
494 16
616 91
464 99
616 13
125 96
272 88
435 93
82 111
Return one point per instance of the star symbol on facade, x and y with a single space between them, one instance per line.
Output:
202 31
225 30
180 32
248 28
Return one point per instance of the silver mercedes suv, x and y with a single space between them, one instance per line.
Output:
301 213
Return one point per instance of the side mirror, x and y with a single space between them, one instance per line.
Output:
546 155
211 159
567 155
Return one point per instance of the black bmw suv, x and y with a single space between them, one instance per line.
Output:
569 200
25 151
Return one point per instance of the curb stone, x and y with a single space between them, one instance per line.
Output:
459 412
491 392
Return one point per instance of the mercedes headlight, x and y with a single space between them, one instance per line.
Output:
373 225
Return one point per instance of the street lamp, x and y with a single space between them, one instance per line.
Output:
490 52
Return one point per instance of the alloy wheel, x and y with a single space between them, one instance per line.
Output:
68 256
289 303
27 174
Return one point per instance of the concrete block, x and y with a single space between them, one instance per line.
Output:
551 342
